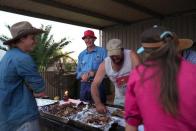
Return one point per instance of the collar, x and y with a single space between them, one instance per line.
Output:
94 50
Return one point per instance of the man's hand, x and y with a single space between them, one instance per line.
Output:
101 108
85 77
91 73
95 88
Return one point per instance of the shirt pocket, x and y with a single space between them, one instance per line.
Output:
82 64
96 62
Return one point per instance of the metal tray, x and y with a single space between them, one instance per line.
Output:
78 120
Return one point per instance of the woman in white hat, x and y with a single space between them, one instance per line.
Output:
19 79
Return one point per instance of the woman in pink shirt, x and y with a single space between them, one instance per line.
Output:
161 93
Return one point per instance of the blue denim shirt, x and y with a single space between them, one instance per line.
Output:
90 61
17 103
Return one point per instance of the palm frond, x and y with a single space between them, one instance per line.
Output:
4 38
45 35
62 45
55 59
8 27
68 53
3 48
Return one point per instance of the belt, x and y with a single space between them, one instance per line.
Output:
90 80
86 81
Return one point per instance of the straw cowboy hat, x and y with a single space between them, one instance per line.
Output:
21 29
184 44
158 33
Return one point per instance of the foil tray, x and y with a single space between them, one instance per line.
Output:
79 118
83 116
45 102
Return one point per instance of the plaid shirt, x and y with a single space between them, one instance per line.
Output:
190 55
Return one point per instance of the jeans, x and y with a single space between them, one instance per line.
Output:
29 126
85 92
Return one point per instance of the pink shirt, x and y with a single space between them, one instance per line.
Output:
142 105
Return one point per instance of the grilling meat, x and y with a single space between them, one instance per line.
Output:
98 119
118 112
63 110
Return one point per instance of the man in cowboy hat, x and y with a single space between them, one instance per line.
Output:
88 63
117 67
18 109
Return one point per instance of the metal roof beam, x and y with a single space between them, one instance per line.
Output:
48 17
63 6
140 8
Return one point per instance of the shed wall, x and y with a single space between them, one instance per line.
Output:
184 26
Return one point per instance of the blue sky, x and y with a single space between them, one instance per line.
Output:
59 30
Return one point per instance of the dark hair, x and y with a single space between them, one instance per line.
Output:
167 60
193 47
14 44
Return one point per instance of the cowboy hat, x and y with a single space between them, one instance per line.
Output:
21 29
153 38
184 44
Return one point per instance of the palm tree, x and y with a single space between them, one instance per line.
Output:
47 51
4 38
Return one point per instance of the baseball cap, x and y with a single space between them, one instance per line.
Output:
114 47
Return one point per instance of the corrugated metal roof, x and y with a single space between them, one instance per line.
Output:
98 14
